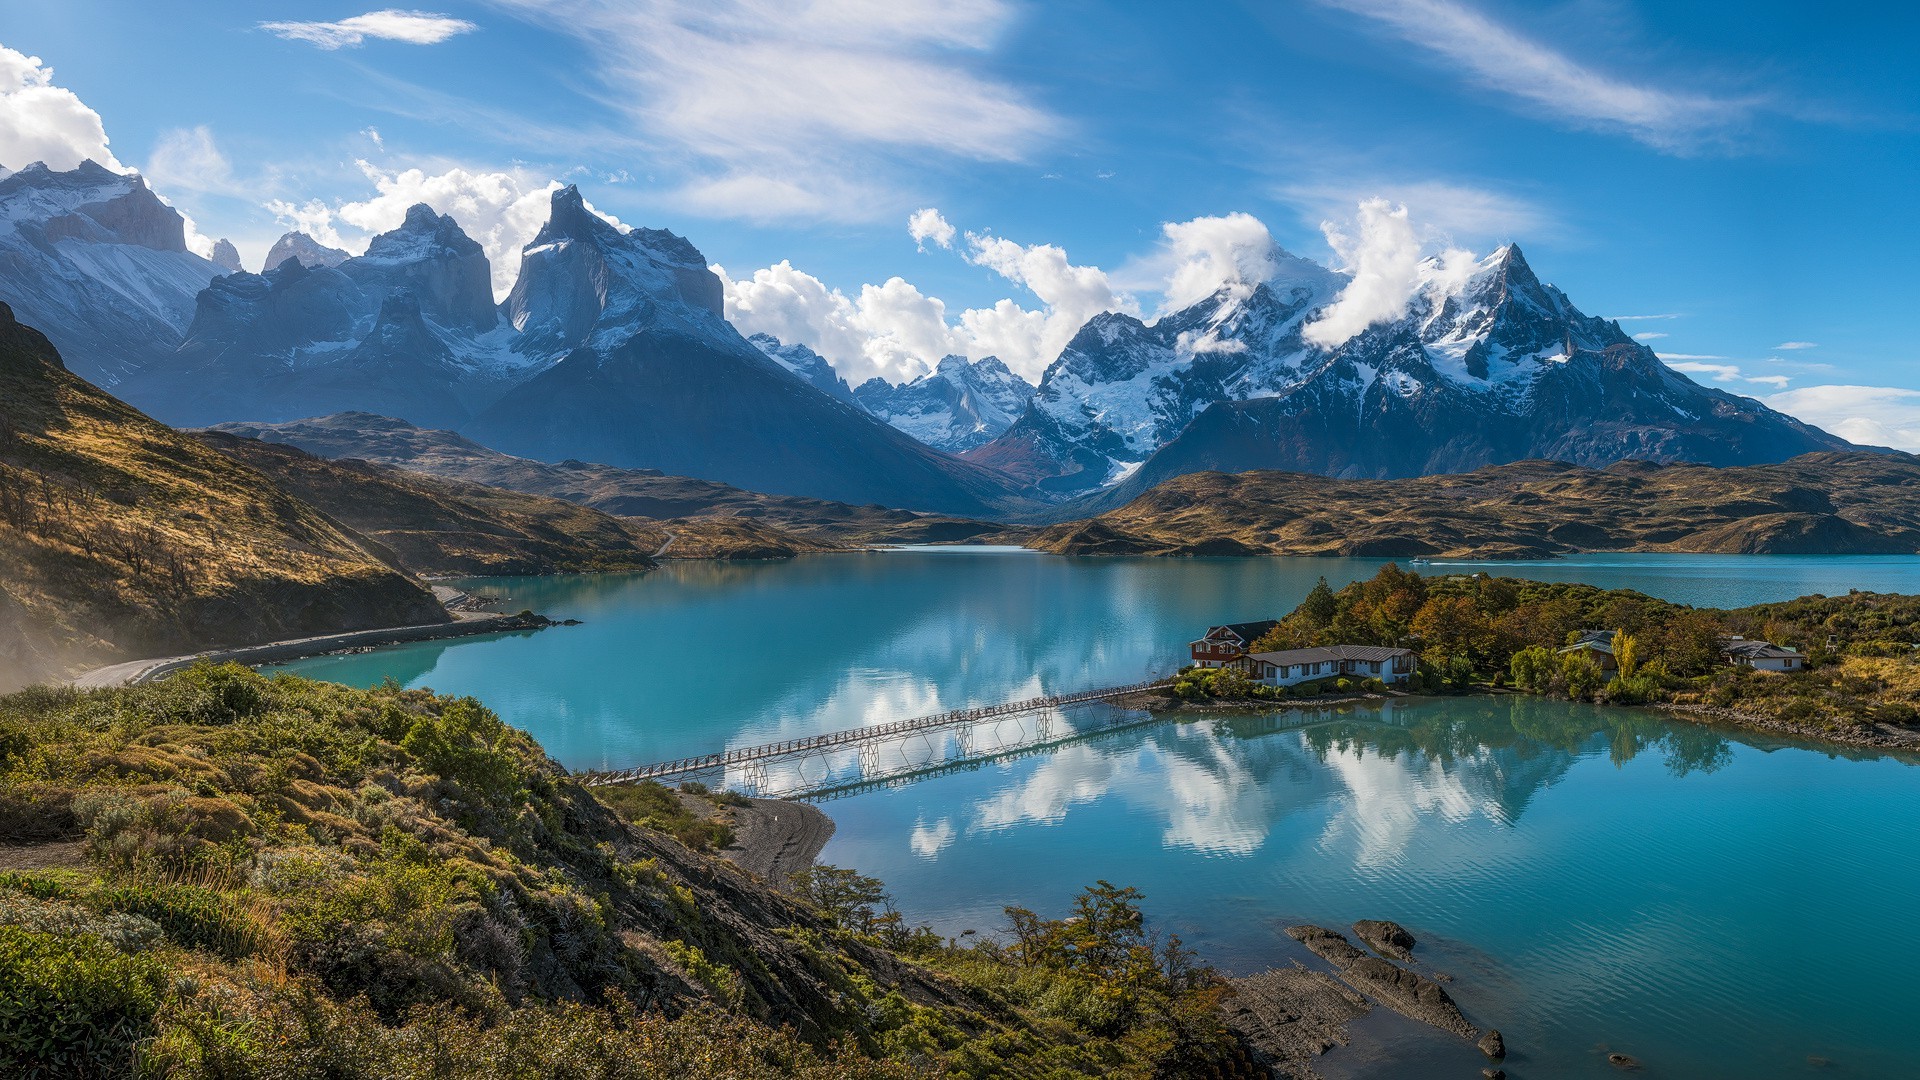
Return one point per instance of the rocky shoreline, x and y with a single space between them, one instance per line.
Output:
1292 1016
777 838
1878 737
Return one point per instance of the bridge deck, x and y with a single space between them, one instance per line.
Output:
742 755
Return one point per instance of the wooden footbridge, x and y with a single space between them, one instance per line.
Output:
747 767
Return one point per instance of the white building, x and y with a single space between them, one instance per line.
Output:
1761 655
1293 666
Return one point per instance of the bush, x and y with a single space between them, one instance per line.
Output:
72 1005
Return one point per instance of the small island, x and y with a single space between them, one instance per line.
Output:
1841 669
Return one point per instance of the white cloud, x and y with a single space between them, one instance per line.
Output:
1028 341
1645 318
1797 345
892 330
812 103
1198 258
1388 270
926 224
1698 364
500 210
1554 82
188 159
896 332
1874 415
43 122
1650 335
408 27
1445 211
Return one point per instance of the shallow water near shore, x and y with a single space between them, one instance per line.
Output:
1596 879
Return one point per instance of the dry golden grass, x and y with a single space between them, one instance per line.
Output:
120 536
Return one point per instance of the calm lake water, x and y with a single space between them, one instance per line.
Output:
1595 879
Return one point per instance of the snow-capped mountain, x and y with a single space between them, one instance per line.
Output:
408 328
298 245
653 376
805 364
93 259
1499 368
960 405
611 347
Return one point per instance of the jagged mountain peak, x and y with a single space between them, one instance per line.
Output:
226 256
581 276
97 261
430 256
299 245
959 405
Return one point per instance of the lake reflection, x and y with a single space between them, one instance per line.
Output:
1591 875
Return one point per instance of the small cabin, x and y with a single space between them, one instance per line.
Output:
1760 655
1389 665
1598 645
1224 644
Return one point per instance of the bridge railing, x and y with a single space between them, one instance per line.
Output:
874 733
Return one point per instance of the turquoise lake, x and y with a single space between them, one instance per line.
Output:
1713 903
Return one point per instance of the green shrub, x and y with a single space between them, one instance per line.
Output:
190 915
72 1005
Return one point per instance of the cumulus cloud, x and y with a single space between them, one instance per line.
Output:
891 330
926 224
408 27
1555 83
500 210
43 122
1071 294
1388 269
815 104
1201 256
896 332
1874 415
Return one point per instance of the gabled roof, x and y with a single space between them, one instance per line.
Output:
1248 632
1757 650
1321 654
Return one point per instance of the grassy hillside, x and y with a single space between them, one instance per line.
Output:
435 526
644 493
120 537
230 875
1822 503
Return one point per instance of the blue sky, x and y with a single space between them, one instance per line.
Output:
1748 179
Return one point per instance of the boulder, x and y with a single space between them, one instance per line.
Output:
1386 938
1492 1045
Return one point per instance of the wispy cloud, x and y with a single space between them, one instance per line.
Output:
409 27
787 110
1874 415
1790 345
1650 335
1645 318
1548 80
1443 210
1726 370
